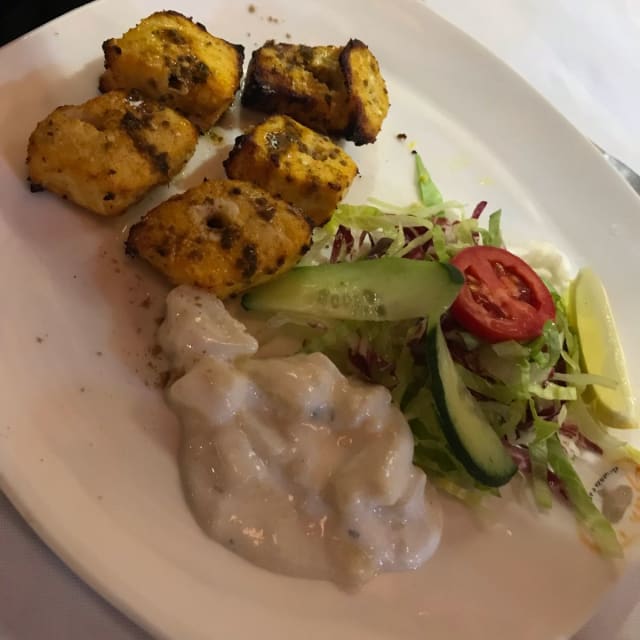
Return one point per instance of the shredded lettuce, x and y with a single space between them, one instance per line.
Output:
510 349
582 380
612 448
539 456
492 390
447 208
440 244
505 418
429 194
433 454
529 392
588 515
405 373
466 230
543 429
552 391
417 242
493 236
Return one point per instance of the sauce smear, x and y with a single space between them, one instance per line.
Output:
287 462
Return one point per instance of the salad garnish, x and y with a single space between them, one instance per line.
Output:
512 352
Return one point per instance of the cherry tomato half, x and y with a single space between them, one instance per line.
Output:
502 298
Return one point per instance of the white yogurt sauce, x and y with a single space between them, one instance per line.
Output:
289 463
548 262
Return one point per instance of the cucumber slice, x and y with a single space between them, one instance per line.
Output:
380 289
469 434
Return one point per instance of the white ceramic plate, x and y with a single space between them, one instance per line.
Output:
87 447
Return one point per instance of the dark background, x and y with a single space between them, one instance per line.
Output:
20 16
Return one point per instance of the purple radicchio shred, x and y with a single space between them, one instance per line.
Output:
416 343
520 455
551 411
448 324
343 240
461 355
345 247
367 362
479 208
572 432
556 485
360 362
545 413
364 236
560 367
417 350
410 234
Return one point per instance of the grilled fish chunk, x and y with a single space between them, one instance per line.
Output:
368 97
306 83
223 235
170 58
294 163
108 152
334 90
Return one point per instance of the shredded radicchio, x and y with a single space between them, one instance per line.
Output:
551 411
342 244
520 455
556 485
571 431
368 363
462 356
346 247
410 234
479 208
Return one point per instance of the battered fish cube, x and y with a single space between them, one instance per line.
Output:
170 58
223 235
368 97
334 90
294 163
304 82
107 153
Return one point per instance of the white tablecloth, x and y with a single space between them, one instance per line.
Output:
585 58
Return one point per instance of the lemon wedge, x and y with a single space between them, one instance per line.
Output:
590 314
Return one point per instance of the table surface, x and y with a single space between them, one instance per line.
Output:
585 59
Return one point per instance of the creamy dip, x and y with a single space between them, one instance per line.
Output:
286 461
548 262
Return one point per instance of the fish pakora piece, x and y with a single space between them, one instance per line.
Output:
334 90
170 58
368 97
223 235
294 163
108 152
